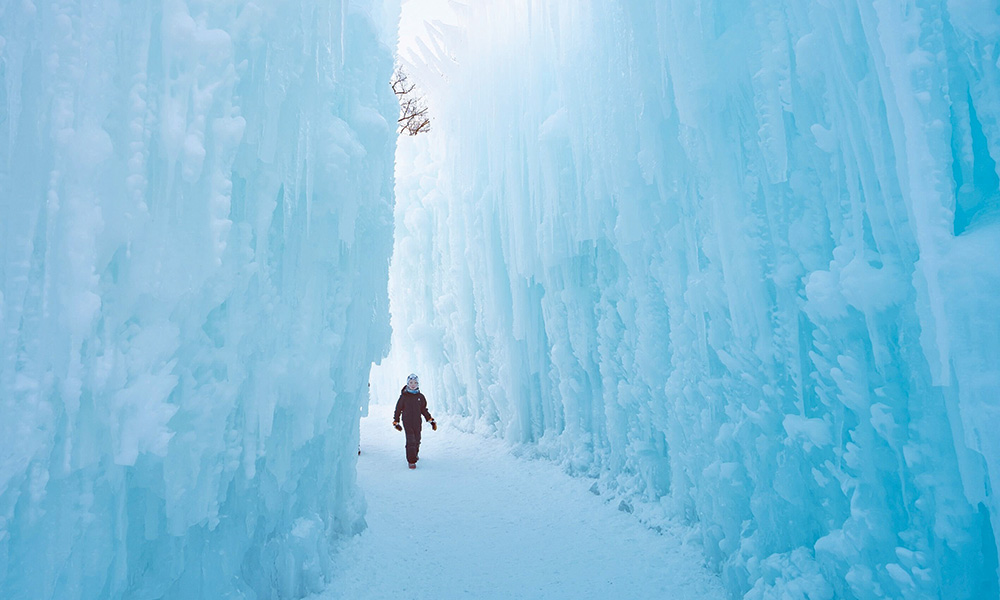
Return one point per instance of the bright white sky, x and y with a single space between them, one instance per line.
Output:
415 14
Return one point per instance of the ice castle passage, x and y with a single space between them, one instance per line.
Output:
737 261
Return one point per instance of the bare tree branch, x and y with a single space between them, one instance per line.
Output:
413 111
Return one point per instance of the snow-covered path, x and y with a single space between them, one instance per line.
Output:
473 521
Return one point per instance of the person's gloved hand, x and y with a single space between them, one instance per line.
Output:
434 425
397 425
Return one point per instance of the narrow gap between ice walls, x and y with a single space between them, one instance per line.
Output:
196 217
738 264
413 269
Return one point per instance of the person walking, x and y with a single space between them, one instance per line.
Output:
412 405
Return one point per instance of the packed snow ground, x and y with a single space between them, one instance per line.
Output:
474 521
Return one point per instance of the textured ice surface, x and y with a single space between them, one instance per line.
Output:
741 259
195 224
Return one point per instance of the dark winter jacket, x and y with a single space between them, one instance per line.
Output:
411 406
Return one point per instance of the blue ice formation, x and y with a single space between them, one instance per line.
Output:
195 227
737 259
740 260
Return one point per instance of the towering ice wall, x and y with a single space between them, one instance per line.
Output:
195 226
740 259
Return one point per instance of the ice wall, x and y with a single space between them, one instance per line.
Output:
195 225
739 259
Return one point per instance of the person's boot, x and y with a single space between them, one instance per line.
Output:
413 465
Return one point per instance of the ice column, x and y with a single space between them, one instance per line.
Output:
737 259
195 225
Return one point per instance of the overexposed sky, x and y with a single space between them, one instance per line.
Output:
415 14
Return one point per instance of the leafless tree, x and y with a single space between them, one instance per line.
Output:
413 117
